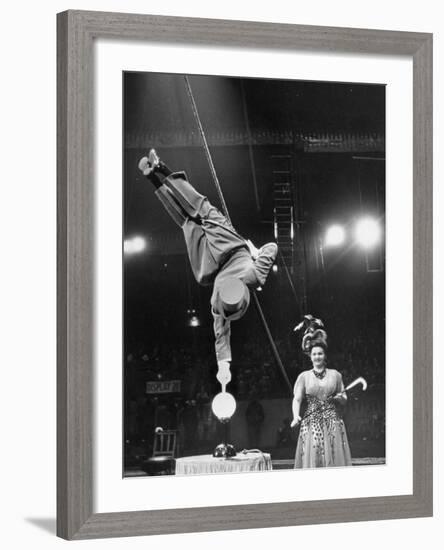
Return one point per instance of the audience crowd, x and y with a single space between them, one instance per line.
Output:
355 349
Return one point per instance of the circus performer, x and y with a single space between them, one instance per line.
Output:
218 255
322 438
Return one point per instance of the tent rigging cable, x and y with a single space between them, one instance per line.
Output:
225 210
207 151
287 272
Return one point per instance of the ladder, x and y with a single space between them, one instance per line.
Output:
283 208
288 230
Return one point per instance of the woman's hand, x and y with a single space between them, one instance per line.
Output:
340 397
295 421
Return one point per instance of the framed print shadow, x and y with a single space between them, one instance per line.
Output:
244 296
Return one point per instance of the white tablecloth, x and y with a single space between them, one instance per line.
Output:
208 464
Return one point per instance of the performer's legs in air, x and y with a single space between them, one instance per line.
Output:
181 192
209 236
171 205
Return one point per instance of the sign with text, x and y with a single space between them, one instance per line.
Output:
163 386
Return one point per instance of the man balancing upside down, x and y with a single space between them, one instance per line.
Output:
218 254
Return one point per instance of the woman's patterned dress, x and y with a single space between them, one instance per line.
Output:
322 437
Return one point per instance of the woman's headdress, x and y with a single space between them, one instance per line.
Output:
314 333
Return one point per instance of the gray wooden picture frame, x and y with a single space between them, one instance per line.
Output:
77 31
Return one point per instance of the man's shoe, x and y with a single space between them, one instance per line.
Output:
253 250
269 248
148 165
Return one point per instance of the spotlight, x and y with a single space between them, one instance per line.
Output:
335 235
368 232
223 406
194 321
134 246
127 246
275 268
139 244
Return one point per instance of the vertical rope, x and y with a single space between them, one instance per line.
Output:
271 340
207 151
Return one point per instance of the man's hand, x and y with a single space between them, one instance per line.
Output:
295 421
223 374
253 250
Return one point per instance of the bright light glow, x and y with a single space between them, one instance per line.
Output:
223 405
194 321
134 246
368 232
335 235
139 244
275 268
127 246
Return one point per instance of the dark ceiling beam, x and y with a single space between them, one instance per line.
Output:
310 142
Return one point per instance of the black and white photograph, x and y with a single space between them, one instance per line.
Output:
254 287
222 272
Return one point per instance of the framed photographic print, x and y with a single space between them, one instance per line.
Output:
244 274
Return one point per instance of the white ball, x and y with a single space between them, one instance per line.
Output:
223 405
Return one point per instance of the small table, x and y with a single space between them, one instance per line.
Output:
208 464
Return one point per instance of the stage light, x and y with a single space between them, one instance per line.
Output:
275 268
368 232
127 246
139 244
223 406
335 235
134 245
194 321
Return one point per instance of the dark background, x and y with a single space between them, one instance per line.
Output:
329 139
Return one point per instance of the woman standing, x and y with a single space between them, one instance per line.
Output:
322 438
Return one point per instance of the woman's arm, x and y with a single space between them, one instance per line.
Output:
296 406
340 396
299 391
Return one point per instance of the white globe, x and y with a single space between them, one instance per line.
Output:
223 405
